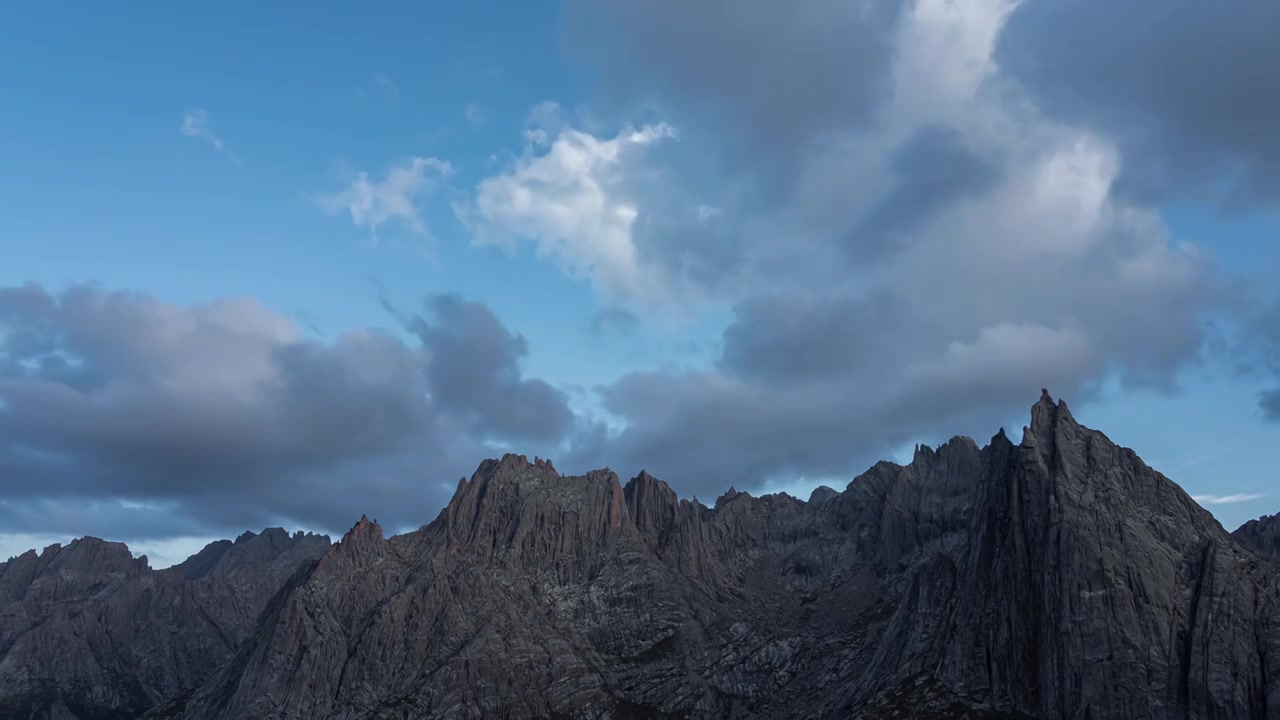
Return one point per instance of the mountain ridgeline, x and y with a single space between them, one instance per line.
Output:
1057 577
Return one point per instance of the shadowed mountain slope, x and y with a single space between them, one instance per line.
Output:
1056 577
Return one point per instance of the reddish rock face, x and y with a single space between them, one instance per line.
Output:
1056 578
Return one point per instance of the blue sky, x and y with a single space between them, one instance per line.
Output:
123 198
192 154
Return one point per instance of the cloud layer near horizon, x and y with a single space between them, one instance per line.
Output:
122 415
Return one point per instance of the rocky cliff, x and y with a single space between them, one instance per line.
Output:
1261 536
1056 577
89 632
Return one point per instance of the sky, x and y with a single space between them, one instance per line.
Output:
285 264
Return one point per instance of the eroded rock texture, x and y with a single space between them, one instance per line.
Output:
1058 578
1262 536
89 632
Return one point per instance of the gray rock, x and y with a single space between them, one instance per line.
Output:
1055 578
87 631
822 493
1261 536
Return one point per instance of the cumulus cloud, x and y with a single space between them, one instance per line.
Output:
1184 89
567 195
916 218
474 374
128 417
933 249
395 198
930 171
772 80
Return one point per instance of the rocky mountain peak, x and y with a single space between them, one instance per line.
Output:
251 553
492 481
645 478
657 512
89 553
956 447
544 464
363 530
823 493
649 499
1047 418
1261 536
1059 579
729 495
513 510
361 544
203 562
510 466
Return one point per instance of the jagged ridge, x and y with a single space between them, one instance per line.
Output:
1262 536
1056 578
89 632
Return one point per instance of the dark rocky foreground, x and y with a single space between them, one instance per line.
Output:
1058 577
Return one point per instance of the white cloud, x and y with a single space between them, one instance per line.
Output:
568 195
474 114
397 197
944 54
545 121
1226 499
195 124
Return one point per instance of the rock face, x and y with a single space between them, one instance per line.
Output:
1056 578
1261 536
87 631
822 493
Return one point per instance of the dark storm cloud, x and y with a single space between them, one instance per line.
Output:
704 252
1260 354
1188 88
475 374
824 385
777 75
782 338
78 517
140 418
825 390
1269 401
931 169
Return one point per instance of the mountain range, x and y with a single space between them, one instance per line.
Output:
1057 577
